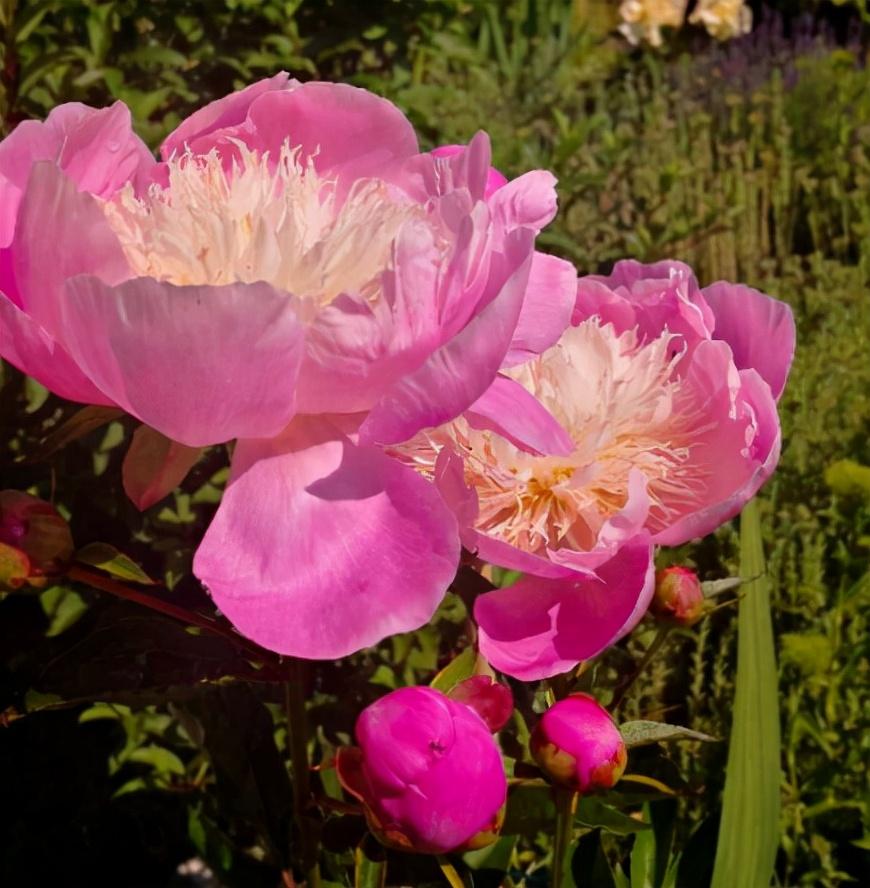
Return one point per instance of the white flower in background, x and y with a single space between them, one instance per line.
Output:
723 19
644 19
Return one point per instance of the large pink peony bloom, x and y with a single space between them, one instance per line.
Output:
427 770
652 420
292 274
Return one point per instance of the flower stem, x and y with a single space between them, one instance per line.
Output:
648 657
450 873
137 596
566 803
297 731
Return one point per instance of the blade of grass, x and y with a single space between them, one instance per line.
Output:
749 830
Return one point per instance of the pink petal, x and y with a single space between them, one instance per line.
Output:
491 700
200 364
61 233
759 329
494 179
539 628
96 148
738 451
347 131
458 373
528 201
222 114
547 308
26 345
154 466
511 411
321 547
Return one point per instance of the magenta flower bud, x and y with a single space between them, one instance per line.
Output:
577 744
35 541
678 597
428 772
490 699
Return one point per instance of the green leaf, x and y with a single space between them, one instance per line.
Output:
162 760
110 560
749 830
595 813
369 866
643 858
457 670
81 423
63 607
530 809
642 733
589 865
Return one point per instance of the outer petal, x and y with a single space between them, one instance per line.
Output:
759 329
540 628
529 201
198 131
458 373
96 148
345 130
547 308
61 233
321 547
154 466
510 410
740 454
26 345
200 364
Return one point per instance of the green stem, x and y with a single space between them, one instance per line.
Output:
450 873
563 834
297 736
649 655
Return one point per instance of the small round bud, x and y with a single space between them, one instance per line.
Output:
490 699
35 541
678 598
427 771
577 744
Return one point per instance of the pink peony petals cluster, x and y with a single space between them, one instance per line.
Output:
293 275
428 772
678 598
651 421
578 745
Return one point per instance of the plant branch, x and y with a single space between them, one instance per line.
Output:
152 602
649 655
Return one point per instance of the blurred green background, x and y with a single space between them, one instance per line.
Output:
750 160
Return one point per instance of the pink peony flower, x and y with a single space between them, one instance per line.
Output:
577 744
427 770
292 274
652 420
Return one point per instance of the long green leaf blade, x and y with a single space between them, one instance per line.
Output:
749 830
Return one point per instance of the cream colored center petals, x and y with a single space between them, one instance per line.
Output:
623 409
260 221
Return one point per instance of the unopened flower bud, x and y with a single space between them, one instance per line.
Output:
427 771
678 598
35 541
490 699
577 744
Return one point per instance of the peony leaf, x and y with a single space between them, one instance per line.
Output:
81 423
110 560
154 466
642 733
749 830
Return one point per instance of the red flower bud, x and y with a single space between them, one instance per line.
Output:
490 699
577 744
35 541
678 598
